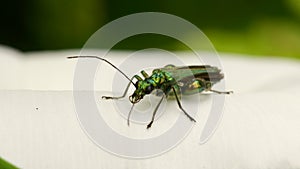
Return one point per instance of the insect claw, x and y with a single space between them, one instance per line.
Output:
149 125
220 92
229 92
193 120
106 97
190 117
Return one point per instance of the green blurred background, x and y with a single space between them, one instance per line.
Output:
257 27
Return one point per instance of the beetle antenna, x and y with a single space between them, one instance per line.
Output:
96 57
129 114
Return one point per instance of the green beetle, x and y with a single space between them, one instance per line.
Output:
169 82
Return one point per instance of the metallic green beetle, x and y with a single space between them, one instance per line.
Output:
171 81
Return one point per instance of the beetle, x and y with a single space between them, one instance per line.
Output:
171 81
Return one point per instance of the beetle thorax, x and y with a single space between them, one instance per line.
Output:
157 80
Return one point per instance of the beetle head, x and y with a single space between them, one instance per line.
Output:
142 88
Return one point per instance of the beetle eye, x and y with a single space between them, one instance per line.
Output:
149 89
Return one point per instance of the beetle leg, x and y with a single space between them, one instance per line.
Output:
220 92
208 86
119 97
179 104
154 112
